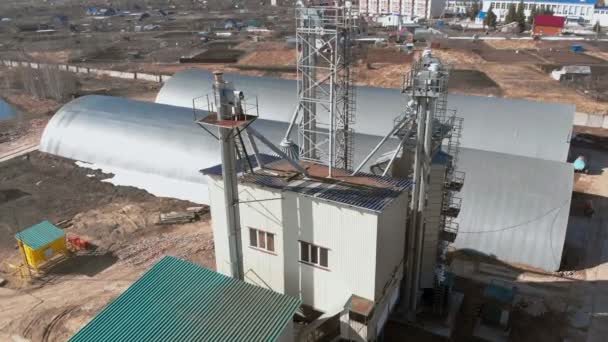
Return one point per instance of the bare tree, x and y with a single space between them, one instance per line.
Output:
46 83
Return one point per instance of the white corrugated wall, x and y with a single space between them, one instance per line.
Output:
349 234
391 241
263 212
218 223
261 268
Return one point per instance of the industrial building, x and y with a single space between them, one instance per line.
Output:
294 207
600 15
573 10
422 9
152 157
323 210
512 213
458 6
329 243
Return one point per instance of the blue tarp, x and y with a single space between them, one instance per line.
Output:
577 48
6 111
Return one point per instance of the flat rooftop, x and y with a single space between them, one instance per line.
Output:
365 191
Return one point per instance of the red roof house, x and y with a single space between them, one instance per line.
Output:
548 25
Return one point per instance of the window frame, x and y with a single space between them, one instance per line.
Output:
309 254
262 235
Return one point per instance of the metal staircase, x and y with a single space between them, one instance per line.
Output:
450 209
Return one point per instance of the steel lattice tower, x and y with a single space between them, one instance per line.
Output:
326 98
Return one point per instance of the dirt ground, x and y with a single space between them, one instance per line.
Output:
119 221
523 81
473 82
511 65
498 72
270 54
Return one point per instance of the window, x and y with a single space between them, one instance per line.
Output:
270 242
261 240
314 255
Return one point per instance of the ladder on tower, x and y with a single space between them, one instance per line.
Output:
450 209
241 152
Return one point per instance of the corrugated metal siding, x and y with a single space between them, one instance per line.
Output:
264 212
220 231
180 301
374 199
490 123
40 235
390 244
514 208
348 233
150 138
549 21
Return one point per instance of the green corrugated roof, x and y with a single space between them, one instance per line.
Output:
40 235
179 301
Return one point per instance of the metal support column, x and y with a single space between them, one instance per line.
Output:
231 196
416 207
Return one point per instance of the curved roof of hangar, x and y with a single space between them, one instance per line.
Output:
514 208
133 135
151 138
520 127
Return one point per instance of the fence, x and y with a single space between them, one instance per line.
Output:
90 71
591 120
